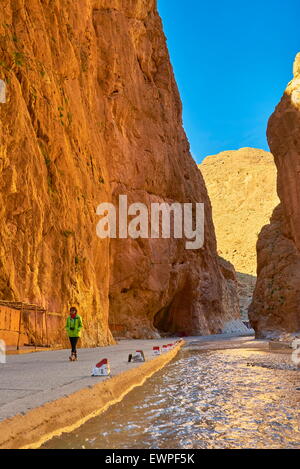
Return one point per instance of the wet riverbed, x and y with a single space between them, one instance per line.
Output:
231 398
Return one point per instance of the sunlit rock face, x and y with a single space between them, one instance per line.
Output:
93 111
276 303
241 185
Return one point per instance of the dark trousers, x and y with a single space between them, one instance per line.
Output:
74 341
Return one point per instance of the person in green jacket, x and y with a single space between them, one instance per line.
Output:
73 328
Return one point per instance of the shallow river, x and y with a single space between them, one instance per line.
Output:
235 398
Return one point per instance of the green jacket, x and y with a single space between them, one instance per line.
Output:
76 324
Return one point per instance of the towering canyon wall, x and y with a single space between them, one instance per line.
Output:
93 111
276 303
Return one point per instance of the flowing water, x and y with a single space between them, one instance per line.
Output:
232 398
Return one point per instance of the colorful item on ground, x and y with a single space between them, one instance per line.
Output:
102 368
137 357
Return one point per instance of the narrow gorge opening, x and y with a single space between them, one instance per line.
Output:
242 188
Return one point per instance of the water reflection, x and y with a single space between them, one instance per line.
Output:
214 399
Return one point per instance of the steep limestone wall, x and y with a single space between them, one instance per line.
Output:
93 111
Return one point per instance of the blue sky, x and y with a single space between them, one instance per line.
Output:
232 61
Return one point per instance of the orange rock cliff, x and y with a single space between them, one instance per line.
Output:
276 303
93 111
